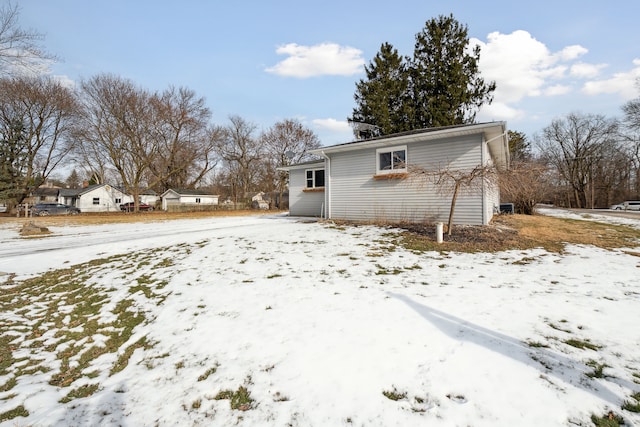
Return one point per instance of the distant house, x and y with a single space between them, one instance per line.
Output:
369 180
149 197
45 194
188 197
258 201
94 198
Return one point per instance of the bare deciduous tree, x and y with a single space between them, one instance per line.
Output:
241 151
117 125
572 145
449 180
185 152
19 49
36 117
286 143
525 185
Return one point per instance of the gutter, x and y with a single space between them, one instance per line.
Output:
327 186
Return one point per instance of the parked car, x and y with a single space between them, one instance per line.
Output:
629 205
44 209
130 206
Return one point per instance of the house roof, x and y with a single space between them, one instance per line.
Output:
46 191
495 134
189 192
75 192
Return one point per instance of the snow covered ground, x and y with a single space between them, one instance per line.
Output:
314 325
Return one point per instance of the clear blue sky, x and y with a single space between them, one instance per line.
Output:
271 60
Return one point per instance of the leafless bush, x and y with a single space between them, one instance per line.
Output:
524 185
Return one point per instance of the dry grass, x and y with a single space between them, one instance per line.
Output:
126 217
524 232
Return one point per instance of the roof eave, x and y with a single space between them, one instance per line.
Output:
485 128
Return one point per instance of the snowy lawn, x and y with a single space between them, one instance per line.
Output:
257 321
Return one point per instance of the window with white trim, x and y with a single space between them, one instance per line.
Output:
197 199
391 160
96 200
315 178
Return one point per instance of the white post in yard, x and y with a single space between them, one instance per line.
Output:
439 229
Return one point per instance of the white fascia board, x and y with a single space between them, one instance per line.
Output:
307 165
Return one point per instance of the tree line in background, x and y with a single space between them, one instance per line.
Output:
579 160
117 132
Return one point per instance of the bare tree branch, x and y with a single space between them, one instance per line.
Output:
20 52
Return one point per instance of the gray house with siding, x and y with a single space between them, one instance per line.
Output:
370 180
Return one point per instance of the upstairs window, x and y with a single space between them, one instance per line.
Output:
315 178
96 200
391 160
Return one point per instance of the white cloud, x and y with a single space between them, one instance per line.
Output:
499 111
318 60
570 53
332 125
623 84
586 71
65 81
522 66
556 90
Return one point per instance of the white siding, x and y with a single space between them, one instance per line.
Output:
106 197
356 195
303 203
171 197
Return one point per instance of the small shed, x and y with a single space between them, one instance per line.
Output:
188 197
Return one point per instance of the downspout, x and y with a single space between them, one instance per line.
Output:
505 147
327 186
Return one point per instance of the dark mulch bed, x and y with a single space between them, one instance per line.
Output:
467 238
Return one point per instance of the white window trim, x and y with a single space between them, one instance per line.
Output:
390 150
313 175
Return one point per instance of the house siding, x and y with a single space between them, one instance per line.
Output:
171 197
303 203
106 196
356 195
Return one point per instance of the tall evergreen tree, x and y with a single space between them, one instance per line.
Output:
439 86
381 98
446 86
13 159
519 147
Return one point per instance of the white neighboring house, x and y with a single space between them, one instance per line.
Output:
188 197
94 198
149 197
369 180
